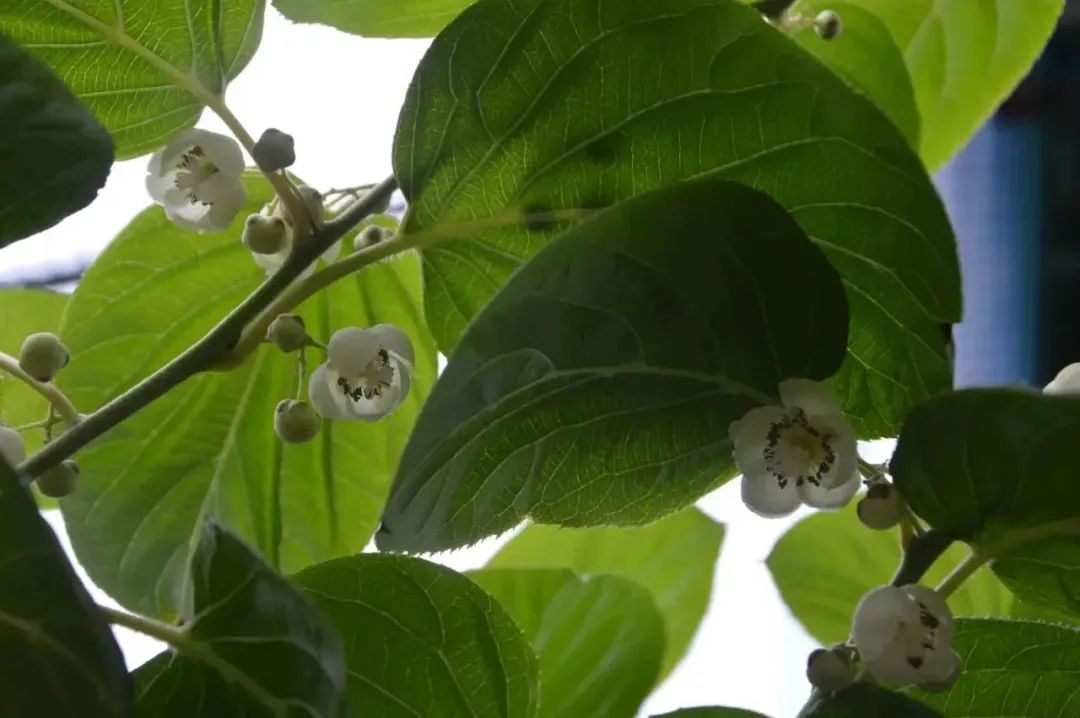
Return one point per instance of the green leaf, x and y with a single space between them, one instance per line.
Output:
673 558
207 450
251 646
992 466
964 58
55 155
676 90
376 18
867 57
1012 669
825 563
23 312
862 700
710 712
59 658
597 388
145 68
422 640
599 639
1045 574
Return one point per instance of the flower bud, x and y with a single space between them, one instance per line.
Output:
264 235
287 332
829 669
882 507
12 448
828 25
59 481
314 200
295 422
274 151
372 235
42 356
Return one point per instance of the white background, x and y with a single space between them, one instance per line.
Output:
339 95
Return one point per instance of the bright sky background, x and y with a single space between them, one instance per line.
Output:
339 95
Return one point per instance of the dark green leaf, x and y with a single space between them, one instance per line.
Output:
964 58
568 104
1045 574
829 560
982 464
866 56
422 640
1013 669
55 156
708 712
598 386
145 68
58 657
376 18
207 450
599 639
252 646
673 558
863 700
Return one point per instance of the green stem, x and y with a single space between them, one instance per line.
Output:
204 354
48 390
961 573
163 632
33 425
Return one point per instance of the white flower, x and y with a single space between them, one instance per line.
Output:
1066 382
801 452
904 635
196 178
272 262
366 375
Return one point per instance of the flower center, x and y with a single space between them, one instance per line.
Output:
918 638
796 450
376 377
193 168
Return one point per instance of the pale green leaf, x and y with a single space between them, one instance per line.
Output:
376 18
598 386
422 640
565 104
145 68
829 560
207 449
673 558
1045 574
599 639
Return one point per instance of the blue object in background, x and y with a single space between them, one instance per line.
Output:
994 194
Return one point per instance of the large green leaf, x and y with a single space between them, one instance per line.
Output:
866 56
252 647
862 700
144 67
984 465
23 312
711 712
54 154
599 639
208 449
829 560
1045 574
376 18
964 57
673 558
1013 669
422 640
563 104
59 658
598 386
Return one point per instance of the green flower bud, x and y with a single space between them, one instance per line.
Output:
274 151
372 235
882 507
829 669
42 356
264 235
828 25
12 448
59 481
295 422
287 332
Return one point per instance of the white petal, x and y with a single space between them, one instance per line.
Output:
404 375
223 151
271 262
12 447
351 350
938 607
876 617
156 165
762 494
324 397
893 668
395 340
844 445
1066 382
813 397
377 406
821 497
941 665
157 185
229 197
749 436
